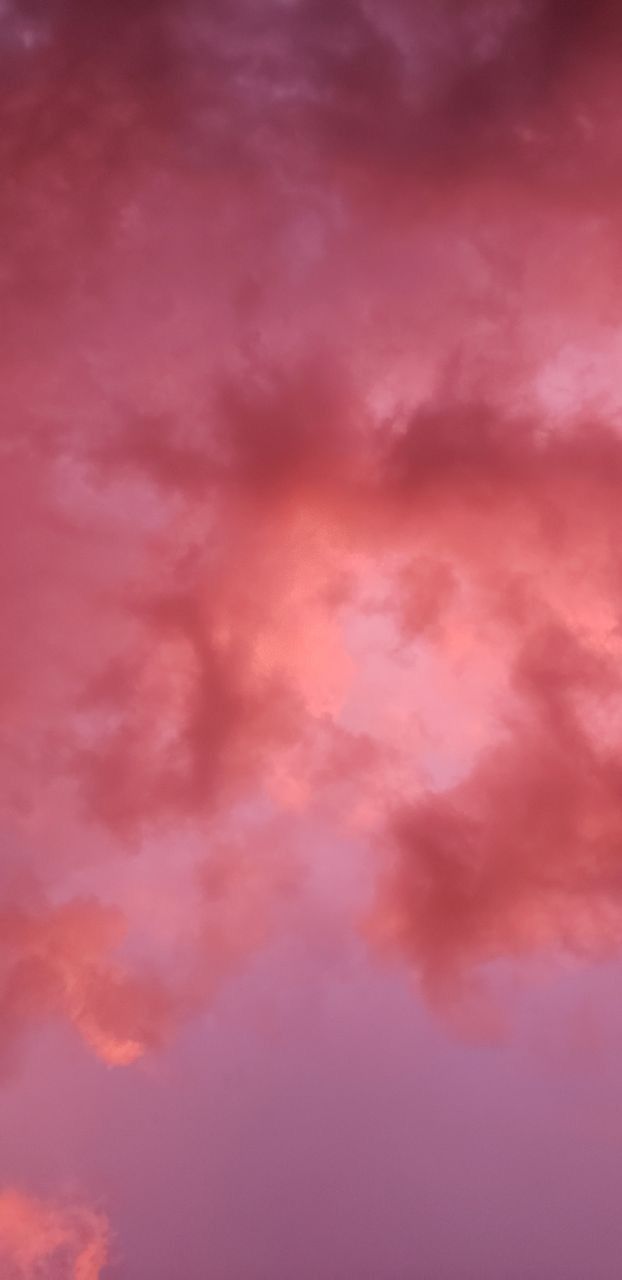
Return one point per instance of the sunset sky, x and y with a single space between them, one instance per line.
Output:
311 639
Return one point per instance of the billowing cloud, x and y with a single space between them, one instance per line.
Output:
59 962
523 856
310 465
42 1240
309 486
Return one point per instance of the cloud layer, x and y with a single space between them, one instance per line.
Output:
302 427
59 1242
309 486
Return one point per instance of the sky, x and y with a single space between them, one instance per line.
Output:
310 639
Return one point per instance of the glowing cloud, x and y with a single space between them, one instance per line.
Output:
42 1239
310 473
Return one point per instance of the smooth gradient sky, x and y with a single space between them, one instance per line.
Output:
310 640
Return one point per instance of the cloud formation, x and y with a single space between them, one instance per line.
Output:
310 466
59 962
310 469
40 1240
522 857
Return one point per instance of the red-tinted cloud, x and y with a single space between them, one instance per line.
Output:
56 1241
309 485
59 962
287 503
523 856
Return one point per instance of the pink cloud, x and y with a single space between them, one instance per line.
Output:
60 962
309 494
40 1239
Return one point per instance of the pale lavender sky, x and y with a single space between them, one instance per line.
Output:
355 1137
